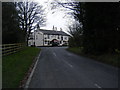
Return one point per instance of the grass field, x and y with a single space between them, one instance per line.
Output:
112 59
15 66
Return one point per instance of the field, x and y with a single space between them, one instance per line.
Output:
15 66
112 59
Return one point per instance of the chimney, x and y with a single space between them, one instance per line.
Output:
56 28
60 29
53 27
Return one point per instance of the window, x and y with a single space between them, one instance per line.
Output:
45 37
61 37
60 42
48 42
48 36
45 42
65 38
58 37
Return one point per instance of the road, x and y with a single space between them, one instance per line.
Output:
58 68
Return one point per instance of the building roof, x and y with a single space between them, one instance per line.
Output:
53 32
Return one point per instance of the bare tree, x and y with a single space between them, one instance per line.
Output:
76 32
31 14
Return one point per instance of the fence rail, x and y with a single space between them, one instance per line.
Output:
11 48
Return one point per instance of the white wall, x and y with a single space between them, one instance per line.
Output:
38 39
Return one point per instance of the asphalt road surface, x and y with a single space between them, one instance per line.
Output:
58 68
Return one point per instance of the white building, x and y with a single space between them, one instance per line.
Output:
44 37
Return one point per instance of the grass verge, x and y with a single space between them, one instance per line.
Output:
15 66
111 59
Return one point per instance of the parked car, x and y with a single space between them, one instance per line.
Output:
55 42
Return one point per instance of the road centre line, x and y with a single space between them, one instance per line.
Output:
68 63
64 60
69 54
54 54
97 85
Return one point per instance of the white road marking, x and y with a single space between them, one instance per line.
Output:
97 85
54 54
68 64
31 74
63 60
69 54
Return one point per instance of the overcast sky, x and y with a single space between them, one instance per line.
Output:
57 17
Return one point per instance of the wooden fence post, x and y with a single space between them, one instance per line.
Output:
11 48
